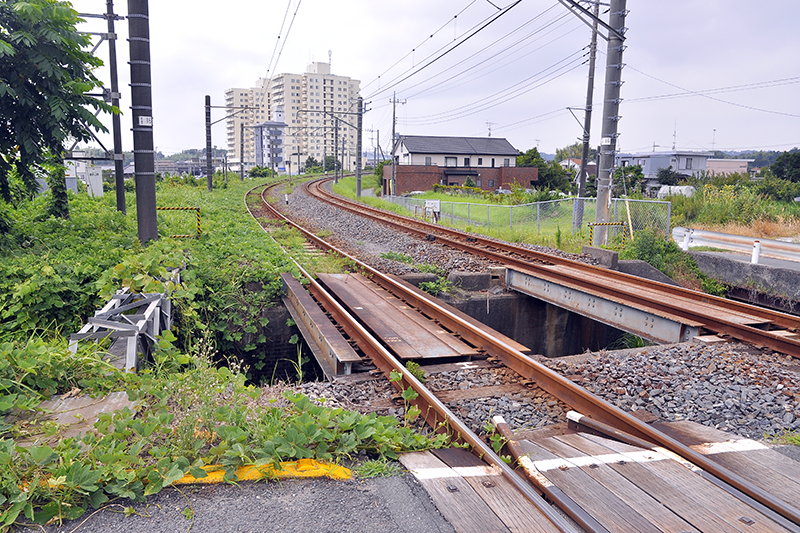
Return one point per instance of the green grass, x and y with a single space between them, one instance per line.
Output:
378 468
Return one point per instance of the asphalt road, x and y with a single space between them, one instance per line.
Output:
380 505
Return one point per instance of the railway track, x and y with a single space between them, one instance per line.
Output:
720 316
589 406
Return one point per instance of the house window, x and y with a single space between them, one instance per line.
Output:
480 161
450 162
688 163
478 182
492 163
466 161
506 162
491 183
428 161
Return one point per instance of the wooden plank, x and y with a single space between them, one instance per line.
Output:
463 316
402 335
508 503
765 468
406 319
624 489
724 505
453 495
657 482
609 510
435 329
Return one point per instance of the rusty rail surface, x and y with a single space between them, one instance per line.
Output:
716 314
574 395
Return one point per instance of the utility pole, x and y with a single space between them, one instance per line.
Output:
611 101
587 126
359 141
119 172
142 114
394 102
335 151
209 168
241 150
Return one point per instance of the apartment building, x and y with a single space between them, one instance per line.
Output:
313 104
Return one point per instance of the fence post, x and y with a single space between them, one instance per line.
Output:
469 221
452 210
669 218
538 221
511 216
488 208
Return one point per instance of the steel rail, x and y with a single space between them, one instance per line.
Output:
436 414
717 314
563 389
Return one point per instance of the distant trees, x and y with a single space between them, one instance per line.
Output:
668 176
628 180
574 151
45 73
552 176
787 166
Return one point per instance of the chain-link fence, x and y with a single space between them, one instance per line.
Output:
547 217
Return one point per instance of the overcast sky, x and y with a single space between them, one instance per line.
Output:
700 74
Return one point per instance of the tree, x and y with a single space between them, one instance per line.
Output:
331 163
45 72
312 163
573 151
667 176
628 179
787 166
260 172
552 176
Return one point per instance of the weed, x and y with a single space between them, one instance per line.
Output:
399 257
416 370
324 233
378 468
435 287
787 437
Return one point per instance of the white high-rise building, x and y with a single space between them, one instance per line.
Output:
310 102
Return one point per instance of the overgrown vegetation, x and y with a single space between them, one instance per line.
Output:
195 405
667 257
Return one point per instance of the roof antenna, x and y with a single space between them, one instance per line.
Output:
675 135
330 57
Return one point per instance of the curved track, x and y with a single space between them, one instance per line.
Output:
439 416
748 323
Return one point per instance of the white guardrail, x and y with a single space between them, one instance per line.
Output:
692 238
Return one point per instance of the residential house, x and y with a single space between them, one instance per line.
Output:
721 167
687 163
270 142
422 161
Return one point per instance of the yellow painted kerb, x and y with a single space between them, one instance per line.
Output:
290 469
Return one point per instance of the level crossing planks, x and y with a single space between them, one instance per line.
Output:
406 332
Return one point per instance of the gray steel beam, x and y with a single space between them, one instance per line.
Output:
654 326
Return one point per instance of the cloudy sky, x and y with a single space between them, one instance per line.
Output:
700 74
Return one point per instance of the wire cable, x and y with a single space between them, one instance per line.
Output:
278 40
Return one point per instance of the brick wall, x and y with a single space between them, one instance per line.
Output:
423 177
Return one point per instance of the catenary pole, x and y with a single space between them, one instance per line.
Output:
119 172
359 141
142 115
241 150
209 169
587 126
611 101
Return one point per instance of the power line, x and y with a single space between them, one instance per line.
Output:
459 43
443 26
278 40
696 93
287 34
720 90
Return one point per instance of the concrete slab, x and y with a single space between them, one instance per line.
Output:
74 414
773 277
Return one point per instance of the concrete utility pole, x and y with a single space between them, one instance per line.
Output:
119 171
142 114
394 102
335 151
611 101
209 168
241 150
359 141
587 126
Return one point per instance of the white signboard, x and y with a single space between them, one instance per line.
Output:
94 181
433 205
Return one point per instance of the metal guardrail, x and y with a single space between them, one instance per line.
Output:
692 238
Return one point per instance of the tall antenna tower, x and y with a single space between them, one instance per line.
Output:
330 58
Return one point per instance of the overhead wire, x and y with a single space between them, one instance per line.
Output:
453 47
278 40
288 31
443 26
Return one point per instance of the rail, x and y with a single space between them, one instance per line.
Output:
570 393
721 316
692 238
